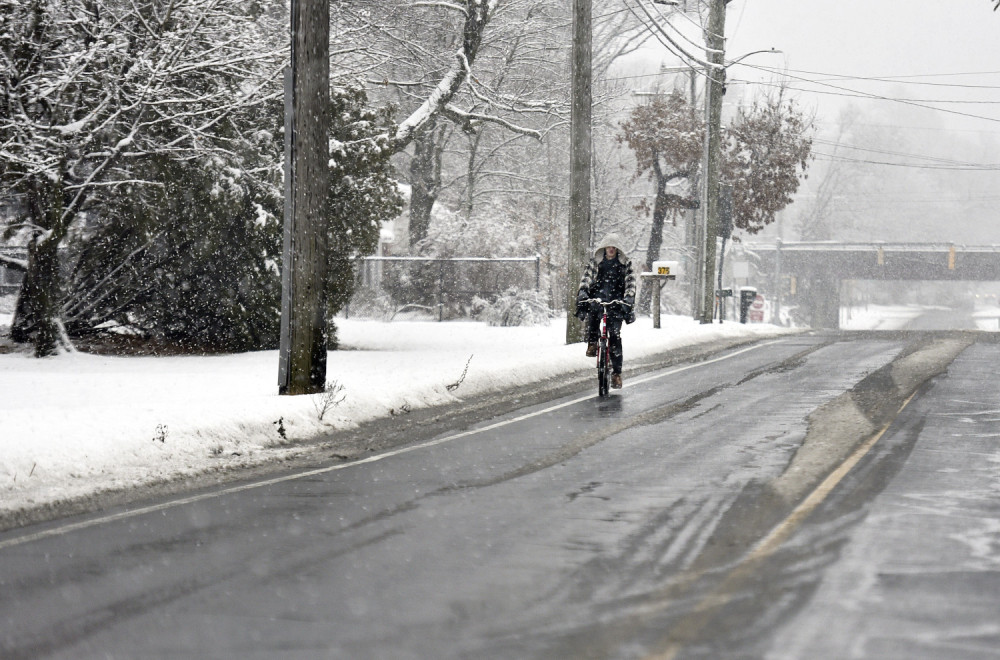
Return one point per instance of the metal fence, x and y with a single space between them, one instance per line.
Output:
389 285
441 286
10 279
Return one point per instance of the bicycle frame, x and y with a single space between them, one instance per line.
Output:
603 357
603 347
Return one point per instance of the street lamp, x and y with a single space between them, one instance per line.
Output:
715 74
714 91
739 59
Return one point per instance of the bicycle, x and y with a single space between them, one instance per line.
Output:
603 349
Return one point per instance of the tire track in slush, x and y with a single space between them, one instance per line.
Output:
905 375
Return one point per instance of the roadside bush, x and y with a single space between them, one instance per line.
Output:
514 307
371 303
491 233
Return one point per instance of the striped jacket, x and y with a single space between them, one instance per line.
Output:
590 286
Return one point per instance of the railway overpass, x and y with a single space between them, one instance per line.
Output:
811 272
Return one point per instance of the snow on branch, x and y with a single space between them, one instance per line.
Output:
466 119
443 92
14 263
385 82
511 103
445 5
477 16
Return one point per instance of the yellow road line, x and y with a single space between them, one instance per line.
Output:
703 613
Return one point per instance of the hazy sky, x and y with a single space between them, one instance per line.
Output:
923 80
952 43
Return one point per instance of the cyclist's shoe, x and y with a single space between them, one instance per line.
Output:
592 349
616 381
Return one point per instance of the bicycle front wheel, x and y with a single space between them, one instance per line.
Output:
603 372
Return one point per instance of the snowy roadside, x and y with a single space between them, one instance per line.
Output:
878 317
79 424
896 317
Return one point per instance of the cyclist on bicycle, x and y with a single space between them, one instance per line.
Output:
608 276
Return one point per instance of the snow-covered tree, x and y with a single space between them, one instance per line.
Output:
363 191
667 136
196 261
460 69
766 152
89 86
191 262
479 90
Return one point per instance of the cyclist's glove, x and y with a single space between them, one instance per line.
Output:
630 309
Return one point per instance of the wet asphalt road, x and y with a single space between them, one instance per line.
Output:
688 516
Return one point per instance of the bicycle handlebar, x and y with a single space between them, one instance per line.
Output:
604 304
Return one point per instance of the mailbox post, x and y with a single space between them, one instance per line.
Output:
721 297
748 295
663 271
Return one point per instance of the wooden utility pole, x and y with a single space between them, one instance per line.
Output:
302 368
695 229
580 158
715 89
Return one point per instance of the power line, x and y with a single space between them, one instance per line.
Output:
866 95
700 66
895 78
884 152
648 75
660 35
846 91
960 168
897 81
936 129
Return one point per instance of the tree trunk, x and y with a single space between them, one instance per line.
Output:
425 181
655 242
35 317
36 314
470 182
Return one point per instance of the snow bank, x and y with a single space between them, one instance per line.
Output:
77 424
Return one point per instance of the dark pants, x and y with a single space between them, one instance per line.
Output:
593 334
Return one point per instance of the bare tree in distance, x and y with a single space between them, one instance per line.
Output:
666 135
767 151
821 218
476 79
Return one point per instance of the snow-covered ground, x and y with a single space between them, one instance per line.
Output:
895 317
878 317
77 424
987 317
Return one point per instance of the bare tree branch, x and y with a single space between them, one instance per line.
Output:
13 263
466 119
